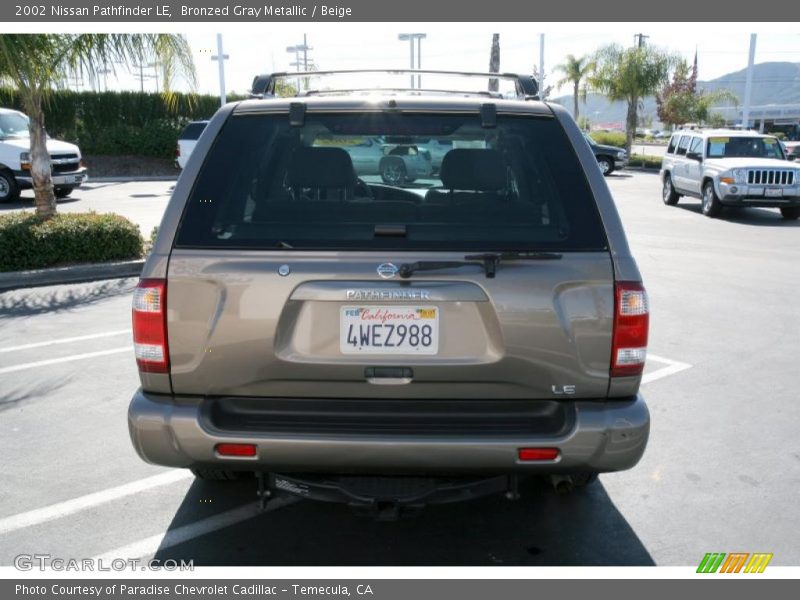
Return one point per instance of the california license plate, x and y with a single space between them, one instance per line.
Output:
773 192
389 330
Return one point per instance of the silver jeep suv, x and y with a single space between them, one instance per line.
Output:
728 167
346 339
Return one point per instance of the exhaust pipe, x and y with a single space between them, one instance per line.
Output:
562 484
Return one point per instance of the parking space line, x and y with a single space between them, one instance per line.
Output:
70 507
63 359
79 338
150 545
673 367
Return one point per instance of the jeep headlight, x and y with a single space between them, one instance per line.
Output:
740 175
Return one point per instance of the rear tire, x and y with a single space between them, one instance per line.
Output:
712 207
393 171
9 190
790 213
208 474
668 194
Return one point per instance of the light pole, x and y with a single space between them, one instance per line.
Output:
748 85
221 57
410 37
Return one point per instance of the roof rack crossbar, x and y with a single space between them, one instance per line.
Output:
483 93
525 85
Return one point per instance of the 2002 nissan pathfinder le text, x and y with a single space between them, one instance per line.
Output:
399 344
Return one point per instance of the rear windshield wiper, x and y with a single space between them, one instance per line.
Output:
488 261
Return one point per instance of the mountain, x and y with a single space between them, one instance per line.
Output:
773 83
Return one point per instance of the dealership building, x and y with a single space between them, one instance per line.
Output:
766 118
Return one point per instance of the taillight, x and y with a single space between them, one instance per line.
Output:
150 326
631 322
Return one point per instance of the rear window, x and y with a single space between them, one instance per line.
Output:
364 181
193 130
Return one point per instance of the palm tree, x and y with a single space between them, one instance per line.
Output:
574 70
37 63
629 75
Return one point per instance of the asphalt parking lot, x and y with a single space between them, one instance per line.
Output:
721 472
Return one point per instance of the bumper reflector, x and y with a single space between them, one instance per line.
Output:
236 449
533 454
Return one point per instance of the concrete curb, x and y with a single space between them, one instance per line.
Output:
73 274
121 179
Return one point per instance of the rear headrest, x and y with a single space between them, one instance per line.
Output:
473 169
312 167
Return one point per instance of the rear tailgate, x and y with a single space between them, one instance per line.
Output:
238 327
280 264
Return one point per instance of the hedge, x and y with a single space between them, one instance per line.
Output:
608 138
645 160
120 122
31 242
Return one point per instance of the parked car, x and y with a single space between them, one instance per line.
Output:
728 167
187 141
609 158
67 170
391 345
397 163
791 149
437 148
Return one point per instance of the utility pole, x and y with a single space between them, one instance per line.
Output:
221 57
748 86
297 49
639 38
410 37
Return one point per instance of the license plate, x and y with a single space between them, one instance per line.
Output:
773 193
389 330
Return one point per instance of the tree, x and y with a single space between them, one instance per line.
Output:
37 63
494 62
679 102
629 75
574 71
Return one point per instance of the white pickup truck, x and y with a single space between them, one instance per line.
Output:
68 171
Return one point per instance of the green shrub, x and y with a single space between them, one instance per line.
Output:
645 160
30 242
609 138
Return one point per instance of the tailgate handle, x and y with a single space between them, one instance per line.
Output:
388 375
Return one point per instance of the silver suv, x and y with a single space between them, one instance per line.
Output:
344 339
727 167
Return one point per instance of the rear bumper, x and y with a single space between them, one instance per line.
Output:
598 436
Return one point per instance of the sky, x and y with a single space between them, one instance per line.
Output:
262 48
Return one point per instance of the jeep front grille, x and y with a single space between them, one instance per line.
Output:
770 177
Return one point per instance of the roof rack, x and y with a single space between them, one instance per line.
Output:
525 85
